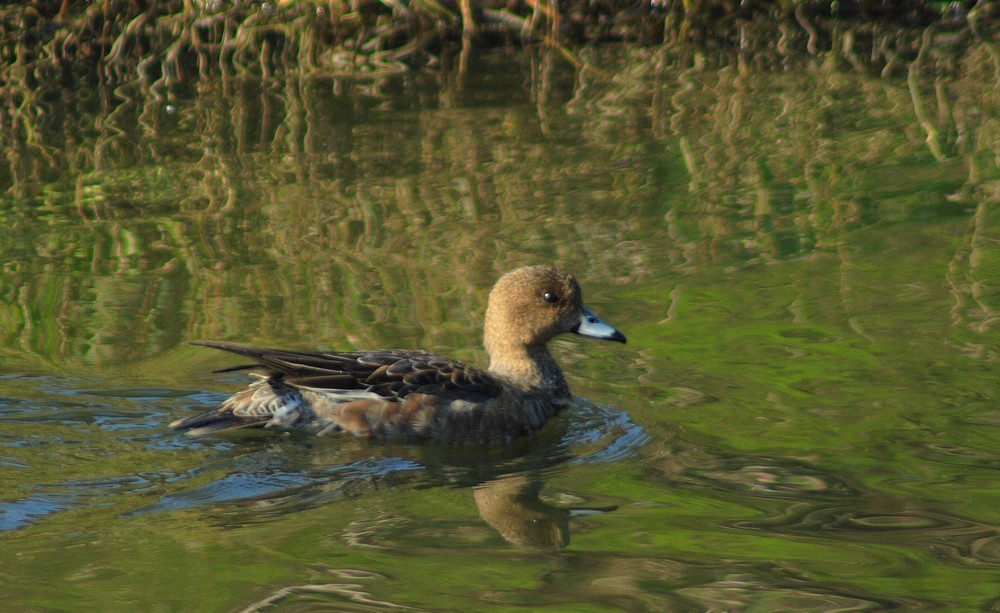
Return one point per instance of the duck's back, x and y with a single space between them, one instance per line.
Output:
380 394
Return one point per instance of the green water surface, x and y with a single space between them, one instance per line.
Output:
806 262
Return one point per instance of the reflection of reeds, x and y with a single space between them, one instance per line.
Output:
337 217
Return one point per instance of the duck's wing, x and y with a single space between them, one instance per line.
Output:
390 373
319 386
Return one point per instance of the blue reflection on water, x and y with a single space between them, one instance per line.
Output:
20 513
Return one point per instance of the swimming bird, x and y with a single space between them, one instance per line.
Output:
412 395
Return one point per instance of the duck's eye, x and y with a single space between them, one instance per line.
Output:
550 297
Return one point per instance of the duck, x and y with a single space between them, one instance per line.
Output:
402 395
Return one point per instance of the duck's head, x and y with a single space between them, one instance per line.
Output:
528 306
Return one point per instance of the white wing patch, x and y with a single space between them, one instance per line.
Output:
287 413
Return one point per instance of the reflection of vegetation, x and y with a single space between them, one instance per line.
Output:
326 209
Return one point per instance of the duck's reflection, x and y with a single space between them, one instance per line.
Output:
508 500
507 484
270 479
511 505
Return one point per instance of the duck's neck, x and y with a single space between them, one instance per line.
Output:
530 368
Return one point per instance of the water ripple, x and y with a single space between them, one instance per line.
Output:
737 592
17 514
772 479
230 488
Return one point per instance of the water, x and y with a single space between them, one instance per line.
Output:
805 263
